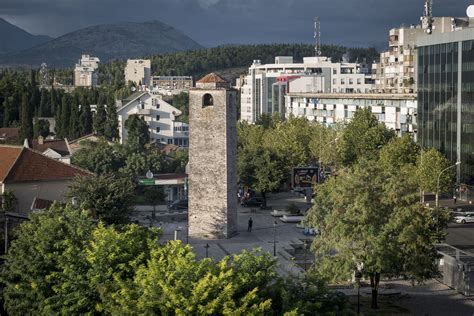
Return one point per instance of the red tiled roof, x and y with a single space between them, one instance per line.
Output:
212 78
8 156
9 133
24 165
58 146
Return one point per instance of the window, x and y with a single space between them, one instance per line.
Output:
207 100
157 129
334 71
157 117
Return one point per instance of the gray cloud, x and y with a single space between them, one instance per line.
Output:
214 22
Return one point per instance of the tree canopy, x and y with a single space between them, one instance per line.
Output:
63 263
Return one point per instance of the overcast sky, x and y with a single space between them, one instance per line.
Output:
215 22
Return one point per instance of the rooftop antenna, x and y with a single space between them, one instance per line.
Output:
317 37
427 18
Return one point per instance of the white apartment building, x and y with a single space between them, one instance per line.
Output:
397 112
171 85
86 72
396 70
264 87
138 71
158 114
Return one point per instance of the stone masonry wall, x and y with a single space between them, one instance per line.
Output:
212 165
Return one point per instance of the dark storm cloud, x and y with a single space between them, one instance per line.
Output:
213 22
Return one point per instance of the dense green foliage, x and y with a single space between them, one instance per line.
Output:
63 263
109 196
200 62
371 215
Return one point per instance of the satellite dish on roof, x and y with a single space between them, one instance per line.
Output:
470 11
134 89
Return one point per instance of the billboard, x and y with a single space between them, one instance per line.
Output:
304 177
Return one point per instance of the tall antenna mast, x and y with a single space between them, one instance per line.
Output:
317 36
427 18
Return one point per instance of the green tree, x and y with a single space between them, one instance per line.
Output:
138 133
53 102
373 217
430 164
99 157
363 137
26 129
85 119
65 116
41 128
154 195
111 125
74 128
43 105
9 201
45 267
398 152
7 112
138 163
111 197
115 256
100 118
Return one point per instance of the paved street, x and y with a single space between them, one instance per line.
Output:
262 236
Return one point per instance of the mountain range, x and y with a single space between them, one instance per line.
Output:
108 42
13 38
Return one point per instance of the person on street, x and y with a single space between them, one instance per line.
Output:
454 199
249 229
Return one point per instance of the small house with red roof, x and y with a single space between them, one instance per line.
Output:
33 177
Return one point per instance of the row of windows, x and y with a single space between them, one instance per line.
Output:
343 81
182 128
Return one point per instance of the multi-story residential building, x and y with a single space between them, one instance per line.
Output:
446 97
158 114
86 72
396 71
171 85
397 112
262 90
138 71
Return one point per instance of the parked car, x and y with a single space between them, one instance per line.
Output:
464 218
179 205
253 201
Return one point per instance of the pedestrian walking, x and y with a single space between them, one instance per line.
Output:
249 229
454 199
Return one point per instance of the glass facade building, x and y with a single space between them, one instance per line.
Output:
446 97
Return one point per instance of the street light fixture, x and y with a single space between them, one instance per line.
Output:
439 177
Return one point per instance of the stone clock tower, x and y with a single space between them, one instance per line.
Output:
212 159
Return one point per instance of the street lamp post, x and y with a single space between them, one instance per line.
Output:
207 250
439 177
274 238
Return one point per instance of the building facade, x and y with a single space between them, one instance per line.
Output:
397 112
265 84
446 97
86 72
29 175
396 71
138 71
160 116
213 159
171 85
